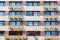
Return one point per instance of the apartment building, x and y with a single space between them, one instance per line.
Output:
29 20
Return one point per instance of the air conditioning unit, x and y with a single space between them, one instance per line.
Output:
8 39
55 8
46 8
11 29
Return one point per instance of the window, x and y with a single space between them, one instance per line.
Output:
32 3
54 23
29 23
54 33
2 23
12 23
2 13
50 13
47 33
51 33
1 33
33 33
47 23
15 32
29 13
2 3
52 3
18 23
32 13
33 23
51 23
36 33
12 3
15 13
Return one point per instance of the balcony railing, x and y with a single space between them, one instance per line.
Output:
16 28
50 8
15 18
15 8
23 37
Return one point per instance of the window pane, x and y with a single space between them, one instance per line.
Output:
19 13
55 33
54 23
29 23
29 13
46 3
2 3
47 13
12 3
1 33
29 4
53 13
47 33
12 13
36 3
19 3
19 23
2 13
36 23
52 3
29 33
36 33
47 23
2 23
36 13
12 23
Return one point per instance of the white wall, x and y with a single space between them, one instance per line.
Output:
2 38
3 8
4 18
33 8
33 38
4 28
33 18
34 28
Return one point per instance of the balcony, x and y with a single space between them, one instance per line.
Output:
50 8
15 18
23 37
16 28
15 8
51 18
51 28
52 37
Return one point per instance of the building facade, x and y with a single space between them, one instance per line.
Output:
29 20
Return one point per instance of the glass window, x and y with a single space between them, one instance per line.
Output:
36 13
29 23
47 33
1 33
12 23
29 13
19 13
2 13
12 13
2 23
37 33
53 3
29 4
30 33
47 23
36 23
36 3
12 3
53 23
53 13
54 33
46 13
18 3
2 3
18 23
46 3
32 3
